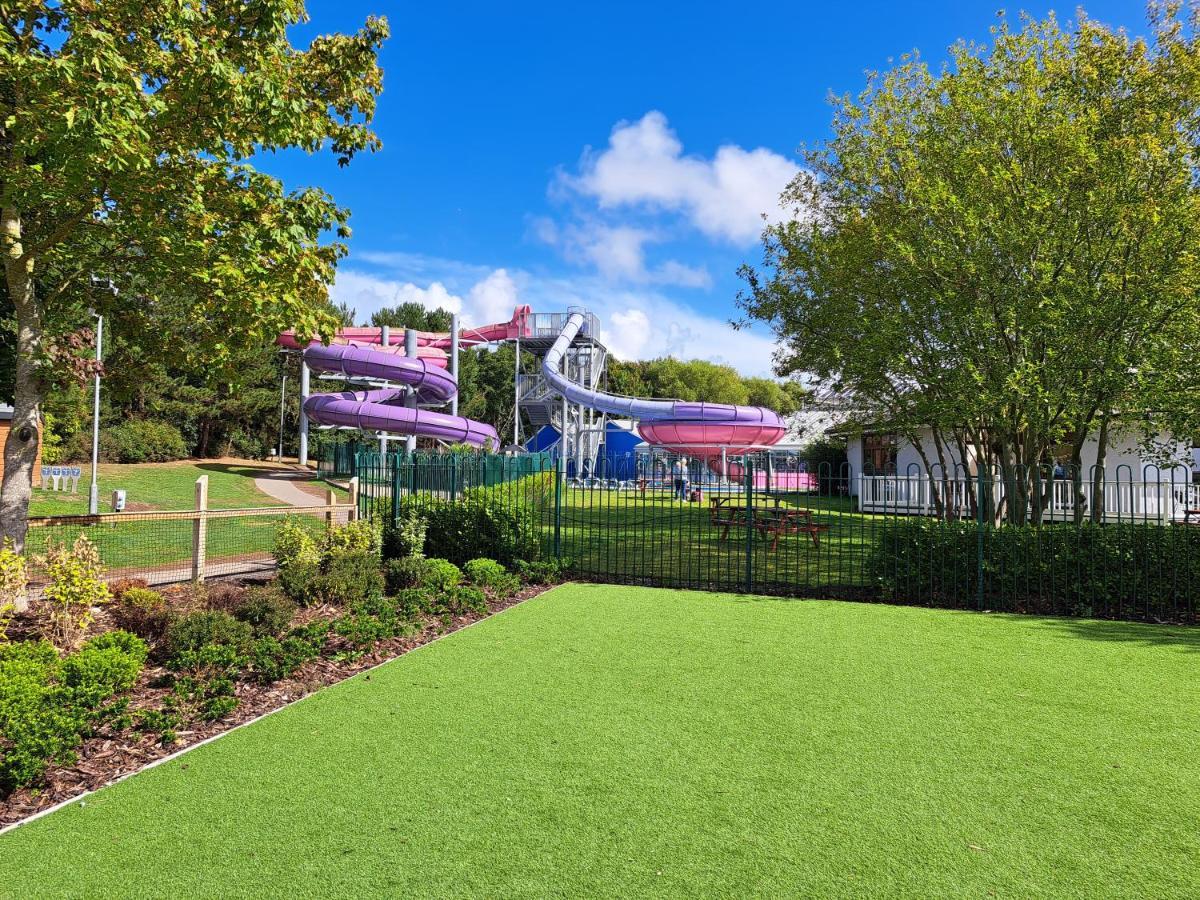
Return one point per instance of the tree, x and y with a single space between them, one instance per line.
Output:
412 315
125 129
700 380
1005 251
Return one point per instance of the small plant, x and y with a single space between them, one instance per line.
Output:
222 595
412 603
107 664
296 581
14 576
267 610
344 580
402 573
441 574
76 586
195 631
464 600
143 612
121 585
294 545
273 659
352 539
406 537
490 575
370 621
544 571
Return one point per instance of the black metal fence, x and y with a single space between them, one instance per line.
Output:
816 530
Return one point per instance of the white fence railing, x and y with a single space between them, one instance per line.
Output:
1160 501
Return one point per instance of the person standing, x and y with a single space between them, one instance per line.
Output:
679 474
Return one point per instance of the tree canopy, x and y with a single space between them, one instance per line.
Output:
126 133
1004 250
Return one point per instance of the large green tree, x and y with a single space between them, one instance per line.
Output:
125 130
1005 250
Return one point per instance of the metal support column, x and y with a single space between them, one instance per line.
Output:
302 453
385 339
410 349
517 393
454 361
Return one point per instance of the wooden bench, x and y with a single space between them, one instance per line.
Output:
766 520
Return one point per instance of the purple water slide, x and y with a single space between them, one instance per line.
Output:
699 429
382 409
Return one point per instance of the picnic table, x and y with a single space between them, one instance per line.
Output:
772 521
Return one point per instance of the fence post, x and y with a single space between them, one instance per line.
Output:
330 502
748 467
979 512
352 516
200 529
557 510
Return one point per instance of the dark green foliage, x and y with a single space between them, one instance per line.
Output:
273 659
485 524
267 610
412 603
157 721
1089 570
48 705
490 575
463 600
440 574
143 612
405 537
403 572
369 621
340 580
133 441
545 571
211 627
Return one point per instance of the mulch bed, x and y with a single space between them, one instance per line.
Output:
106 757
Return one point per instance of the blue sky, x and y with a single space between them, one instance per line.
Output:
614 155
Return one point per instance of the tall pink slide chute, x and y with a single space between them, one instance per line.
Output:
361 353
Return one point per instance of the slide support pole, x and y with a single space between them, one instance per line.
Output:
410 349
454 360
302 453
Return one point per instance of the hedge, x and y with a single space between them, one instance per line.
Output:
1117 570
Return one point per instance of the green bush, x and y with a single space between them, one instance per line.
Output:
441 574
295 545
211 627
545 571
370 621
296 581
346 579
484 524
272 658
463 600
138 441
267 610
490 575
412 603
403 572
49 705
1116 569
405 538
351 539
143 612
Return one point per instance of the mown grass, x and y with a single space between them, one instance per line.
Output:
616 741
144 543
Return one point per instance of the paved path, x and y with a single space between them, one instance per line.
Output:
285 486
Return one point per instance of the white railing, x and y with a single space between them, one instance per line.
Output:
1161 501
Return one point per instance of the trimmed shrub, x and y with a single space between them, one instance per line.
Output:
267 610
405 538
402 573
482 525
463 600
143 612
1062 569
490 575
48 705
415 602
345 580
294 544
272 658
441 574
351 539
141 441
193 632
544 571
296 581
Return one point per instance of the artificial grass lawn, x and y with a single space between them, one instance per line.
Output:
613 740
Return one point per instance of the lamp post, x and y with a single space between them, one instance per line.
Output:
94 488
282 402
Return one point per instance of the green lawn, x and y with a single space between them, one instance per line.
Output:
605 740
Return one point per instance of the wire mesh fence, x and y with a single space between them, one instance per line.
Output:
165 547
759 524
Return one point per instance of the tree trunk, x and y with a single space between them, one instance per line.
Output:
20 450
1098 476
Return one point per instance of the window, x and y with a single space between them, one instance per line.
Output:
879 454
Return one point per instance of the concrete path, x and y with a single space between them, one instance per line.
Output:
286 487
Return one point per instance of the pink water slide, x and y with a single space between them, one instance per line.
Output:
361 353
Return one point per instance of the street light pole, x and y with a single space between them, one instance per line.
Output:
282 402
94 488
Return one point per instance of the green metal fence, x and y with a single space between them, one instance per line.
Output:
820 530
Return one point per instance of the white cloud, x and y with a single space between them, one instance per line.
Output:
618 252
724 197
367 294
492 299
